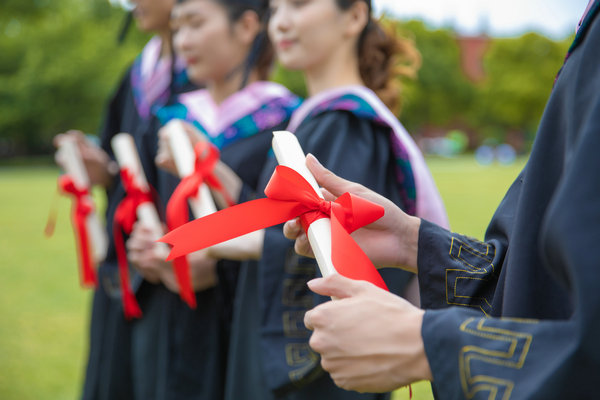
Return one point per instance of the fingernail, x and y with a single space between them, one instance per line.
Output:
313 282
315 160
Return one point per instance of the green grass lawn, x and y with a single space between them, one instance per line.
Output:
43 339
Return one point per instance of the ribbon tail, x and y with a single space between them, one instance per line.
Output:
181 267
88 274
349 259
229 223
131 307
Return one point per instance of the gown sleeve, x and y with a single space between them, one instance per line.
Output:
456 270
475 357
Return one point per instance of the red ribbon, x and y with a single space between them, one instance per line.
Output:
289 195
82 207
207 156
125 217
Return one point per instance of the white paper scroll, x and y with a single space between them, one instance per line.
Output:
184 157
290 154
74 167
127 157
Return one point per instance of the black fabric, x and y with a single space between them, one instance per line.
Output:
269 355
528 315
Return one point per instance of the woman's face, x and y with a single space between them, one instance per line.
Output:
152 15
305 33
211 45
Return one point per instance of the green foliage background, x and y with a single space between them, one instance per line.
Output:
60 61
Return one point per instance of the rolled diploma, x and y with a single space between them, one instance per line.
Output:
184 157
127 157
74 167
289 153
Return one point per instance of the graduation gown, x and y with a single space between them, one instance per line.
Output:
241 127
269 356
517 316
111 371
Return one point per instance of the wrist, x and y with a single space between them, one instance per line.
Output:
421 363
408 238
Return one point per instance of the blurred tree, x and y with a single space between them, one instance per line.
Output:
441 94
60 62
519 76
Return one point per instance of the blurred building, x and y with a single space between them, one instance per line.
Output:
472 51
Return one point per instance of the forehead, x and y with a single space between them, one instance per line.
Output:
193 7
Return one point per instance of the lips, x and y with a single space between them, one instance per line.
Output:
285 44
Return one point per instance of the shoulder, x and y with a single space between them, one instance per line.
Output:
340 125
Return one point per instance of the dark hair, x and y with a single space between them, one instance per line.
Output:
261 55
382 57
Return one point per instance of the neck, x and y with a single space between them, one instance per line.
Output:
221 89
165 37
340 69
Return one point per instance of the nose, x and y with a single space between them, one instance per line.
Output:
280 19
181 40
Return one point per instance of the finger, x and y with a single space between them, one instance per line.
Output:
292 229
194 134
302 246
337 286
328 195
330 181
307 321
58 139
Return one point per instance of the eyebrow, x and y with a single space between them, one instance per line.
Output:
188 14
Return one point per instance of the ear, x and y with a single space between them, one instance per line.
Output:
357 17
247 27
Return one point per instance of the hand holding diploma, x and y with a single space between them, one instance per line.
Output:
369 339
174 153
99 168
195 166
137 205
289 195
391 241
91 237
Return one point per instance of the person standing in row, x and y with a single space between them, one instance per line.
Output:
349 63
225 47
149 83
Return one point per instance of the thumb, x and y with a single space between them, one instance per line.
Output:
327 179
336 285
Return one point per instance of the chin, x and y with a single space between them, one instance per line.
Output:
144 25
196 75
292 63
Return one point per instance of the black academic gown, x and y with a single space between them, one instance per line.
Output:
269 355
122 361
199 356
517 316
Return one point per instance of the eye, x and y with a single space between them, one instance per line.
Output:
195 23
174 26
299 3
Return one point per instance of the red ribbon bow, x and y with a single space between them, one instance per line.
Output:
207 156
289 195
82 207
125 217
